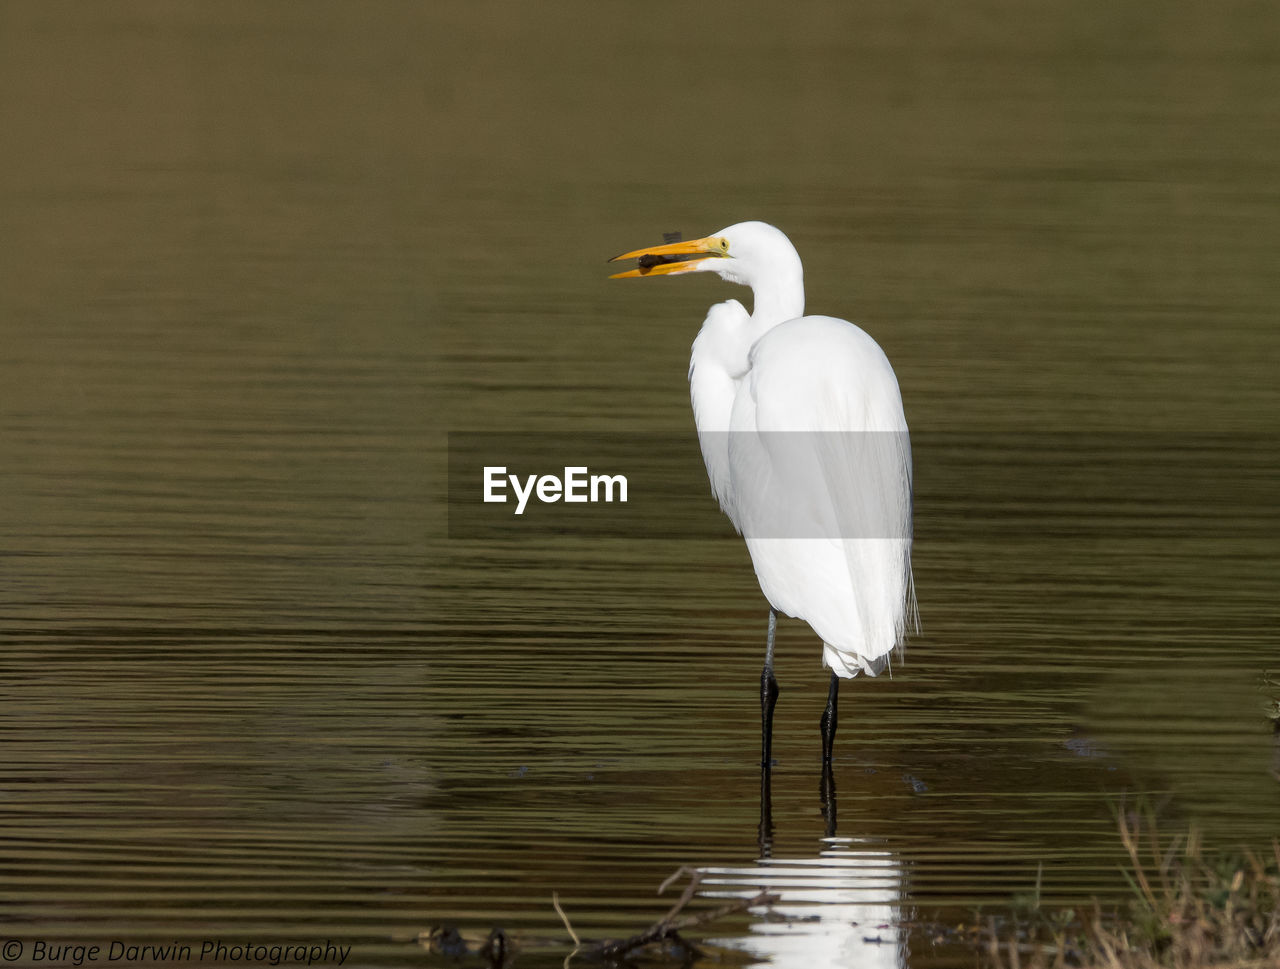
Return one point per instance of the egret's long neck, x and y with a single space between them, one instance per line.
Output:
778 298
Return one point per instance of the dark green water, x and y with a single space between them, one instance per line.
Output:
258 259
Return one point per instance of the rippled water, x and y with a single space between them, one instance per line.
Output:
257 262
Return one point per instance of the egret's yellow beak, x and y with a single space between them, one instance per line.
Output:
674 257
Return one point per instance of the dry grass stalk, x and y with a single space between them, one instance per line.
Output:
1190 910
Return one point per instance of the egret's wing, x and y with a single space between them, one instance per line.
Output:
713 389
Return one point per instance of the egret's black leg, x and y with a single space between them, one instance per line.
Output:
829 720
768 697
827 789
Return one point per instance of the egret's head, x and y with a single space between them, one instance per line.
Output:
746 253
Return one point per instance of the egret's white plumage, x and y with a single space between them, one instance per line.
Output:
802 430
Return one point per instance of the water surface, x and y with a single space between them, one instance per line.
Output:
258 262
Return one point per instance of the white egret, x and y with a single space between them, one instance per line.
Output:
800 422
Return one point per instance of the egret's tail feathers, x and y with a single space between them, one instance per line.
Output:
848 665
887 633
913 606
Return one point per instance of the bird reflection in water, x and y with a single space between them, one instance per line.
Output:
826 797
842 908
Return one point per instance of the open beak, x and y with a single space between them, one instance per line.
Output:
673 257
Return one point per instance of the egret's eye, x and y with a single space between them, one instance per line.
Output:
724 244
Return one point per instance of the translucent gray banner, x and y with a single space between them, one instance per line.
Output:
843 485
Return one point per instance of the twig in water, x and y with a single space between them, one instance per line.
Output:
555 900
669 926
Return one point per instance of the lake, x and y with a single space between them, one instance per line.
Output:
263 262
